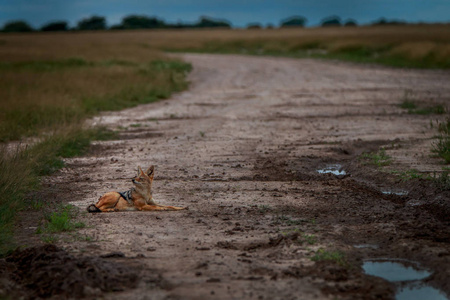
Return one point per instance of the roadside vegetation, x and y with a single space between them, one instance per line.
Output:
442 146
379 159
61 220
416 106
413 46
49 87
334 256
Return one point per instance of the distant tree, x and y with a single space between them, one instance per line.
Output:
350 22
116 27
17 26
380 21
135 22
331 21
207 22
55 26
254 26
383 21
92 23
270 26
294 21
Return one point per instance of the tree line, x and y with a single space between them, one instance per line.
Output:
146 22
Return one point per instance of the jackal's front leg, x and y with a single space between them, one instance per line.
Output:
160 207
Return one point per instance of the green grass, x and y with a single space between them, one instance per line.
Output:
408 104
310 238
378 159
173 65
16 180
442 146
334 256
61 221
383 54
49 239
47 156
443 180
413 108
21 169
410 174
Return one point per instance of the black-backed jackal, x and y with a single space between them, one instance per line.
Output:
137 198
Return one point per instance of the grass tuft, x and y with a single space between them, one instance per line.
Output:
410 174
61 221
442 146
416 107
378 159
334 256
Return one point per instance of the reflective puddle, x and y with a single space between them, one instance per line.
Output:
407 276
397 193
394 271
366 246
419 292
335 169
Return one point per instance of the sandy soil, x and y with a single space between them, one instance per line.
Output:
241 149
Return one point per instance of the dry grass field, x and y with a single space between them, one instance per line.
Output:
423 46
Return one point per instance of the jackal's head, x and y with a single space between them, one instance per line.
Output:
143 181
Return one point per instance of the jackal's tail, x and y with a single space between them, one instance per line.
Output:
93 209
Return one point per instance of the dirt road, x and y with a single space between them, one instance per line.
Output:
241 149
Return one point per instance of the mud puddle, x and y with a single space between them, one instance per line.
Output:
395 192
335 169
408 277
419 291
394 270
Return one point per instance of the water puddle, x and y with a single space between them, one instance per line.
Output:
335 169
407 276
397 193
394 271
366 246
415 203
419 292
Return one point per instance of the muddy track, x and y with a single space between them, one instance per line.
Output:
241 149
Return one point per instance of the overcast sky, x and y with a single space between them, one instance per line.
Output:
238 12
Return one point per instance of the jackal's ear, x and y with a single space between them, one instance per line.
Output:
150 170
140 172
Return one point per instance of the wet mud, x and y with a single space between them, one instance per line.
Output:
48 271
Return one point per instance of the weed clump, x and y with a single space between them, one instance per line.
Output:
334 256
61 221
378 159
442 146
